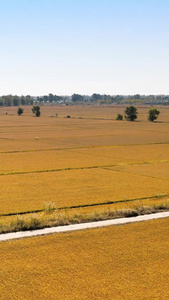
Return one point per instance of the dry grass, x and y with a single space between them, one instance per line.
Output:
105 263
51 216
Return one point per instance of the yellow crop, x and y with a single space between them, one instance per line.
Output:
84 160
75 187
32 161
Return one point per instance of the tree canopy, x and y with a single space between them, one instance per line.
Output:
153 114
36 110
20 111
131 113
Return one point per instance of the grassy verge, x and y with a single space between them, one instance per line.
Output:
53 217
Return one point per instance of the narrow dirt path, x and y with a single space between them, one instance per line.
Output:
82 226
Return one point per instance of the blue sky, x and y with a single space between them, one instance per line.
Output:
84 46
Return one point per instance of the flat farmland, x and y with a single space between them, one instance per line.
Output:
89 158
79 158
89 111
75 187
48 132
95 164
122 262
147 170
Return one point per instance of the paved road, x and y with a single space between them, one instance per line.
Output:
24 234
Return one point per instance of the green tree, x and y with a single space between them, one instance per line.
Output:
77 98
23 100
153 114
119 117
51 97
20 111
137 96
95 97
7 100
36 110
131 113
16 101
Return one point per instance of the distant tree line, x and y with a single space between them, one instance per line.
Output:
120 99
10 100
104 99
96 98
51 98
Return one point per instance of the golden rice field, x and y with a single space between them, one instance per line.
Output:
122 262
75 187
85 157
89 158
29 133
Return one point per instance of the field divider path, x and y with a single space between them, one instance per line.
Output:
78 147
109 202
85 168
140 174
82 226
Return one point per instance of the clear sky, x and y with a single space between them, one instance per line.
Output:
84 46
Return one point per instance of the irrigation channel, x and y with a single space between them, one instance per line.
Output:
82 226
